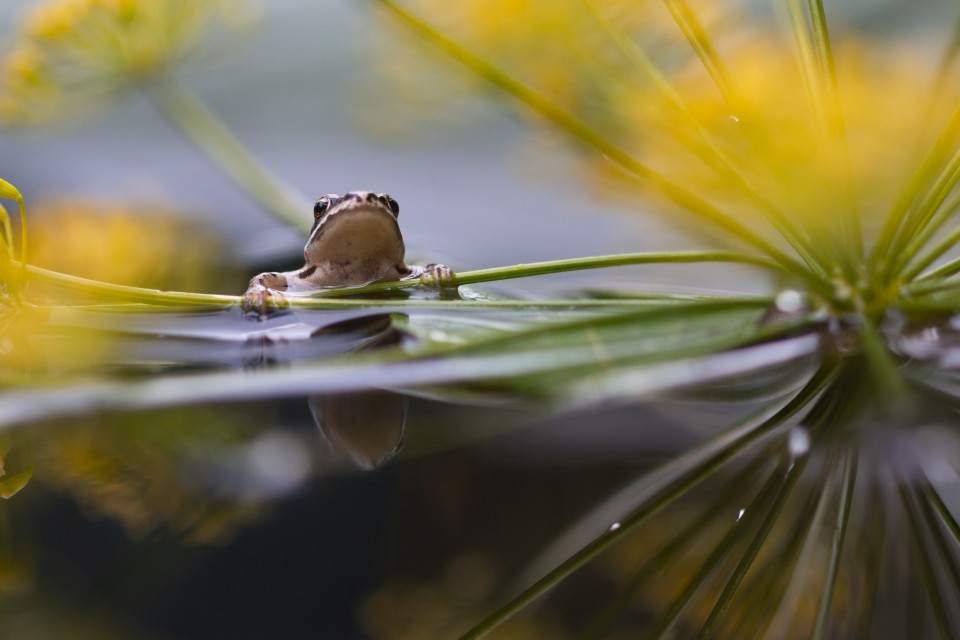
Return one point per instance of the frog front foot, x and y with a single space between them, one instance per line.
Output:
437 275
258 299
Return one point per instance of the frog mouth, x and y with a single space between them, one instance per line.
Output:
361 232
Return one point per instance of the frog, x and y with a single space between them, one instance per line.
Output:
355 240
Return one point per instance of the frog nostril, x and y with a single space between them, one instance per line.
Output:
371 198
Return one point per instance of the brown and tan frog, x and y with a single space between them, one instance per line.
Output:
355 240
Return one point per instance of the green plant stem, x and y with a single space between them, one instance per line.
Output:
916 219
694 33
836 544
204 129
787 483
849 218
922 262
898 212
946 557
801 560
945 514
559 266
152 296
679 543
721 551
587 135
719 451
706 148
883 369
924 564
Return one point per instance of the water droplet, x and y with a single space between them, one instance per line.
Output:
740 514
789 301
734 118
614 527
798 442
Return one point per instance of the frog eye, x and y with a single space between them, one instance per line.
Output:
390 202
321 207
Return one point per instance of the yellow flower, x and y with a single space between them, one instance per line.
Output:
552 45
774 139
71 56
111 242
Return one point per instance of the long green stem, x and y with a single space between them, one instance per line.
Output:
736 440
924 564
694 33
152 296
916 219
570 264
204 129
679 543
759 539
706 148
589 136
850 217
836 544
896 218
922 262
946 557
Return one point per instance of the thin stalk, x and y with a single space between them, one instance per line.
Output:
944 245
883 369
694 33
918 218
706 148
945 514
679 543
804 561
788 482
204 129
589 136
7 240
946 556
873 561
836 543
559 266
316 299
824 113
948 59
828 75
925 565
739 438
904 203
666 620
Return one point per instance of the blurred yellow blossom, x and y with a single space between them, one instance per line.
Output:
144 246
552 45
774 139
70 56
115 243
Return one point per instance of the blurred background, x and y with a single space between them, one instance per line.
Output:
176 523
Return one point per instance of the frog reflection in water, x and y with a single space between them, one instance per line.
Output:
355 240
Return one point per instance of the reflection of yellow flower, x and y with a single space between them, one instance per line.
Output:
132 473
73 55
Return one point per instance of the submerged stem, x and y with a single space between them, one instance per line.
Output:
680 479
787 484
836 544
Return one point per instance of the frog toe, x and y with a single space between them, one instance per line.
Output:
257 300
438 275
